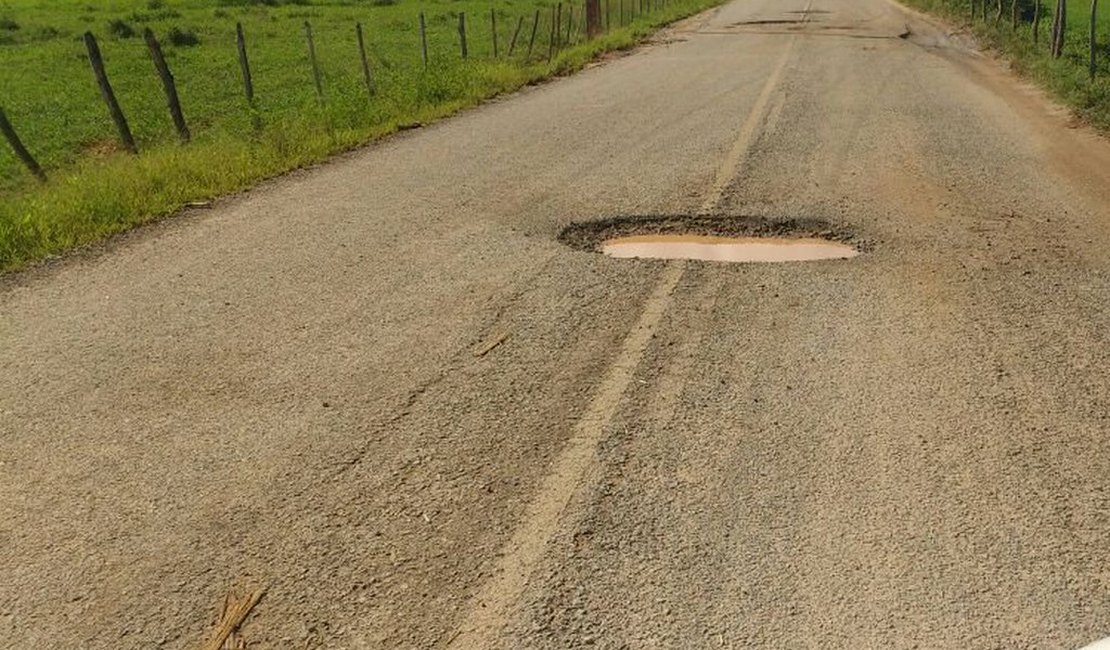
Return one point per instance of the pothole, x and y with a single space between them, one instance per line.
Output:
714 238
777 21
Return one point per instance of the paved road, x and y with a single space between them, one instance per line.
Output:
385 392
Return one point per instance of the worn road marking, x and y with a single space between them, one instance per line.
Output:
491 608
733 163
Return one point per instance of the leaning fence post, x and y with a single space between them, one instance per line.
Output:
106 93
493 29
167 84
312 59
462 33
366 76
248 82
20 150
532 39
516 34
423 41
244 64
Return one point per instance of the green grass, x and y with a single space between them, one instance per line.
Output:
1067 77
95 189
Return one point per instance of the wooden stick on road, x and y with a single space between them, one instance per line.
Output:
233 615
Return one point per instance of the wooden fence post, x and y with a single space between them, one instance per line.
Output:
516 34
462 33
1052 32
367 77
244 64
558 25
1059 28
1036 21
312 59
167 84
423 41
493 29
532 40
106 93
245 67
554 32
20 150
593 18
1091 64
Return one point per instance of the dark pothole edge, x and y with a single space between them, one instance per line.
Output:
589 235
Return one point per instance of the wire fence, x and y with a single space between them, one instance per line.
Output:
536 37
1030 19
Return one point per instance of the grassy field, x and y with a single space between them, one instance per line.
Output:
96 189
1067 77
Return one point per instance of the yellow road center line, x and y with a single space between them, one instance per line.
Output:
733 163
492 606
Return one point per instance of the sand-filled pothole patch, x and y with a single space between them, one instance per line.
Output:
713 238
727 249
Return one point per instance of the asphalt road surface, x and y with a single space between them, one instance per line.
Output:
383 391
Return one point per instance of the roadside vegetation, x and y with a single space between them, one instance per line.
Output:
95 187
1078 72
